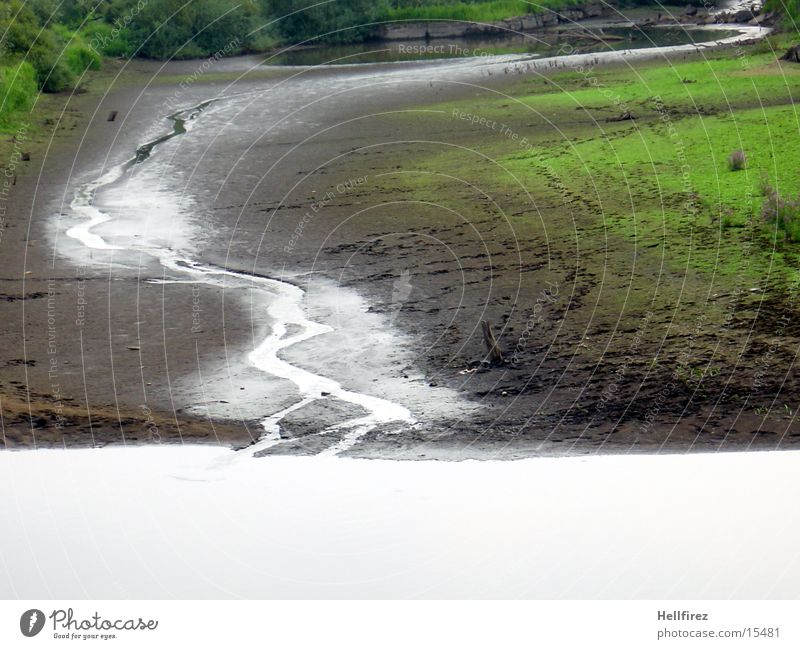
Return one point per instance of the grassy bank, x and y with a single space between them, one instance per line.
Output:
18 90
22 78
472 11
663 179
672 286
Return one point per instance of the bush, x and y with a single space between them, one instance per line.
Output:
338 22
262 42
31 33
764 185
785 213
174 28
52 73
737 161
79 57
107 40
727 217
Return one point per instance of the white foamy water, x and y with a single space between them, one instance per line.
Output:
83 205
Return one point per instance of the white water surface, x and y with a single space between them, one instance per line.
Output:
157 522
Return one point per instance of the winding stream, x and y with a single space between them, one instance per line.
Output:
286 308
286 301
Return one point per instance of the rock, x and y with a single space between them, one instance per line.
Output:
593 11
690 10
570 15
405 31
447 30
482 29
743 16
531 22
549 18
792 54
511 24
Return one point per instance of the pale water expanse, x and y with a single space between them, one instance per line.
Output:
187 522
610 38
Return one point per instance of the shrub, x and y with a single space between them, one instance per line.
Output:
176 28
728 220
52 72
79 57
764 186
107 40
785 213
262 42
737 161
340 22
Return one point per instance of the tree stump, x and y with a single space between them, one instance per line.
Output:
493 347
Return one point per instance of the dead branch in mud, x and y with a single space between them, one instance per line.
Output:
492 346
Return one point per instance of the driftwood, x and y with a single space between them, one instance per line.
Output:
492 346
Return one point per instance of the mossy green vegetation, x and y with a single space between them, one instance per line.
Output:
469 11
661 180
18 92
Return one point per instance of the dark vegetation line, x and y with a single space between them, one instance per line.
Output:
45 45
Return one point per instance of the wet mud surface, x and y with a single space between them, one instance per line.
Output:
608 348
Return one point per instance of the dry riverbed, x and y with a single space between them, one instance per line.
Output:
401 196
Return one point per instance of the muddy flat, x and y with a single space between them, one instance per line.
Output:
300 259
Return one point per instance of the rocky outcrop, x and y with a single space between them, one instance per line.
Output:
749 16
405 31
456 29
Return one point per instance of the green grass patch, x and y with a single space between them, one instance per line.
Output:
696 87
473 12
663 180
18 90
666 177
